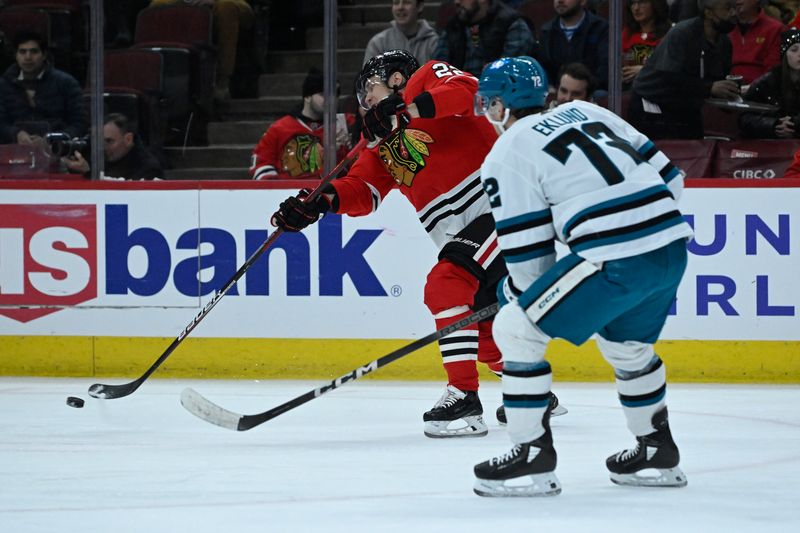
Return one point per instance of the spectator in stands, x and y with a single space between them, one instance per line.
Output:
126 157
230 18
482 31
755 41
794 169
645 24
406 32
688 66
292 146
575 82
779 87
36 98
575 35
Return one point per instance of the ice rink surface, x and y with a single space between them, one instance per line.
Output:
355 460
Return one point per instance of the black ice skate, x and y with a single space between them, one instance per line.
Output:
527 470
456 414
555 410
655 454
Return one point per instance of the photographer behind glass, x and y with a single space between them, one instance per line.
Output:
36 98
125 155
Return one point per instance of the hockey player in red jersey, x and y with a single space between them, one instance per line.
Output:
434 160
292 147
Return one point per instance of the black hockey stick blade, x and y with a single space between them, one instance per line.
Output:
109 392
198 405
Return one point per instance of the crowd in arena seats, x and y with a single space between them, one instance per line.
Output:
711 70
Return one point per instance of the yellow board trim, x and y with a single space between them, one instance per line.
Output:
326 359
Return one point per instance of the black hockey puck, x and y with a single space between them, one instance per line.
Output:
72 401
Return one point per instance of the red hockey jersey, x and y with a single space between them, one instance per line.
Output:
638 45
435 162
292 148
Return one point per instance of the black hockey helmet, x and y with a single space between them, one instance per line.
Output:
384 65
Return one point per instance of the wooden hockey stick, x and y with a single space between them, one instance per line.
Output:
107 392
203 408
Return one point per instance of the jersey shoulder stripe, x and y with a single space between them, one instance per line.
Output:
632 232
536 250
524 222
616 205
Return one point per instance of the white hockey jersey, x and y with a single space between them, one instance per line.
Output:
581 175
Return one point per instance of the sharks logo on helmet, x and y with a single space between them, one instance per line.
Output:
514 82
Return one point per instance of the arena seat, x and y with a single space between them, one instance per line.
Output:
183 35
134 86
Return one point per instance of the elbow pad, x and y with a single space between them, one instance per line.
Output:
425 105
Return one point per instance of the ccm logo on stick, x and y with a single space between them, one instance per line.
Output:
48 258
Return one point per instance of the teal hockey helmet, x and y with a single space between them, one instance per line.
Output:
514 82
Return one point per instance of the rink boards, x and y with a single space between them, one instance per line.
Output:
98 279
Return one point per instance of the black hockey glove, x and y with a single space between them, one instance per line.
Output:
378 120
294 214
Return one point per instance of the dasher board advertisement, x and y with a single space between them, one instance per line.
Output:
105 261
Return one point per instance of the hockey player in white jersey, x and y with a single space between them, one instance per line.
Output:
583 176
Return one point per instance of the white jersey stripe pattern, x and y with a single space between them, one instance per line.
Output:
450 212
453 311
460 346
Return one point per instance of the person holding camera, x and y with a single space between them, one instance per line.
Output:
125 155
779 87
36 98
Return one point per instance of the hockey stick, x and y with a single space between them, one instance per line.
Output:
199 406
107 392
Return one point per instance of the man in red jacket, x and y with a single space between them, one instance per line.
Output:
434 160
755 41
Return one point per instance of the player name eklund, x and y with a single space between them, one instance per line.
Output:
559 119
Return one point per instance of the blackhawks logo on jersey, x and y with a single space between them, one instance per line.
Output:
302 155
403 152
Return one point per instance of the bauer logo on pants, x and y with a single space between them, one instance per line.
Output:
48 258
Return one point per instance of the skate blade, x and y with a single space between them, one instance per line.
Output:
469 426
666 477
540 485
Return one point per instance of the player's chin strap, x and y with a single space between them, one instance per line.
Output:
500 125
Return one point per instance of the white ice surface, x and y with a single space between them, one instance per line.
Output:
355 460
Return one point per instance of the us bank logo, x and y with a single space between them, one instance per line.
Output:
49 260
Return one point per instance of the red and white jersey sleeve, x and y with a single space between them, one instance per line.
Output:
435 162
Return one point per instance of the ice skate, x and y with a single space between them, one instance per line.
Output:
528 469
653 462
555 410
456 414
